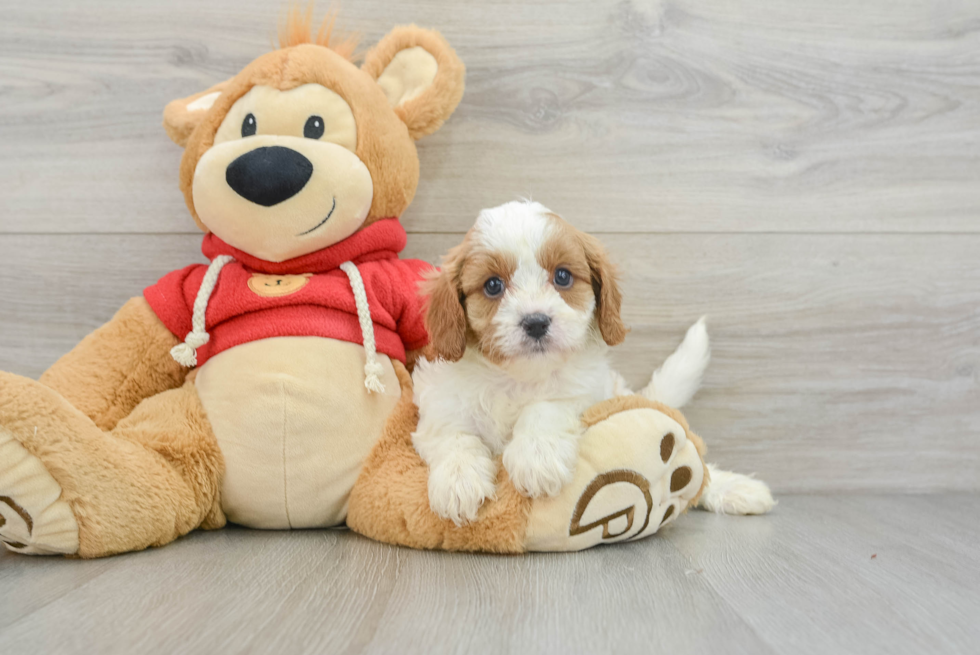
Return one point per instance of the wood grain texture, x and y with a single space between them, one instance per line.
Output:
804 174
849 574
802 580
840 362
643 115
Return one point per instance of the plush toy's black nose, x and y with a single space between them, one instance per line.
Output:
269 175
536 325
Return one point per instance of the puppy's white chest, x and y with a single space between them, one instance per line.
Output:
501 407
497 425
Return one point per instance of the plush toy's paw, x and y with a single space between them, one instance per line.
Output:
637 471
540 465
735 493
34 520
458 485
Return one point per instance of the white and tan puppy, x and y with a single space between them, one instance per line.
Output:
521 316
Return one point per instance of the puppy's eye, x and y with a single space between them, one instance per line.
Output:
493 287
563 278
313 128
249 126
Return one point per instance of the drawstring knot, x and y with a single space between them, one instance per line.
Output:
185 353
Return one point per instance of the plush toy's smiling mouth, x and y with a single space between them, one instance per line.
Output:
321 223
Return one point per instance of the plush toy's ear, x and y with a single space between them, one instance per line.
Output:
421 75
605 285
180 117
445 314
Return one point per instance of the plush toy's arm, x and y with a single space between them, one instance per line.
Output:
405 277
114 368
413 356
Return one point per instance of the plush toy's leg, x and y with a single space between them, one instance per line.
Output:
390 501
68 487
639 468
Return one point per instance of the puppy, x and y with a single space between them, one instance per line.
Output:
520 316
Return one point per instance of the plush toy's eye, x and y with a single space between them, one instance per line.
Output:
563 278
493 287
249 126
313 128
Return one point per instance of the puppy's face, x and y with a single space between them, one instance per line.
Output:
524 284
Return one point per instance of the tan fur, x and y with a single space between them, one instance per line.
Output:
605 283
425 113
297 29
114 368
479 267
445 315
385 135
383 143
179 121
567 250
457 312
390 501
152 479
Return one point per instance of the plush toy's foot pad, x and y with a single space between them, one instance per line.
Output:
637 471
34 520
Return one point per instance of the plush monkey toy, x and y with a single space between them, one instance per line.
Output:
270 388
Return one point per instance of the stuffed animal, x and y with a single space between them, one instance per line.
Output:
271 388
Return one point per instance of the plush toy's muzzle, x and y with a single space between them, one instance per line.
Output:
282 196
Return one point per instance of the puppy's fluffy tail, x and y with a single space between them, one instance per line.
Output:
679 378
735 493
674 384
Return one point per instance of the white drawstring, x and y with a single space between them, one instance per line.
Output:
185 353
372 369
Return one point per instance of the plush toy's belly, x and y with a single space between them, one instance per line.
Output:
295 423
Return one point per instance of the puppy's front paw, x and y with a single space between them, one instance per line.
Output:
459 484
540 466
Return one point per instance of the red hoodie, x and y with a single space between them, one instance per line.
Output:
304 296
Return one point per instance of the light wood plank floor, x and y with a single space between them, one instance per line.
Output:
847 574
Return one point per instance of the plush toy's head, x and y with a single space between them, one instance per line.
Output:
302 148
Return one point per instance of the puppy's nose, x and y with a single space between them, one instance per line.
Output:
269 175
536 325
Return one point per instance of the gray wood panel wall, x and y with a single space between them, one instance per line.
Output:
807 174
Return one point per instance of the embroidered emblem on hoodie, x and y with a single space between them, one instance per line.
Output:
274 286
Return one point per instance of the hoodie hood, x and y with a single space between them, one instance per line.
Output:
383 239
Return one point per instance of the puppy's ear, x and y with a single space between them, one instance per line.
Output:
181 116
605 285
445 315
